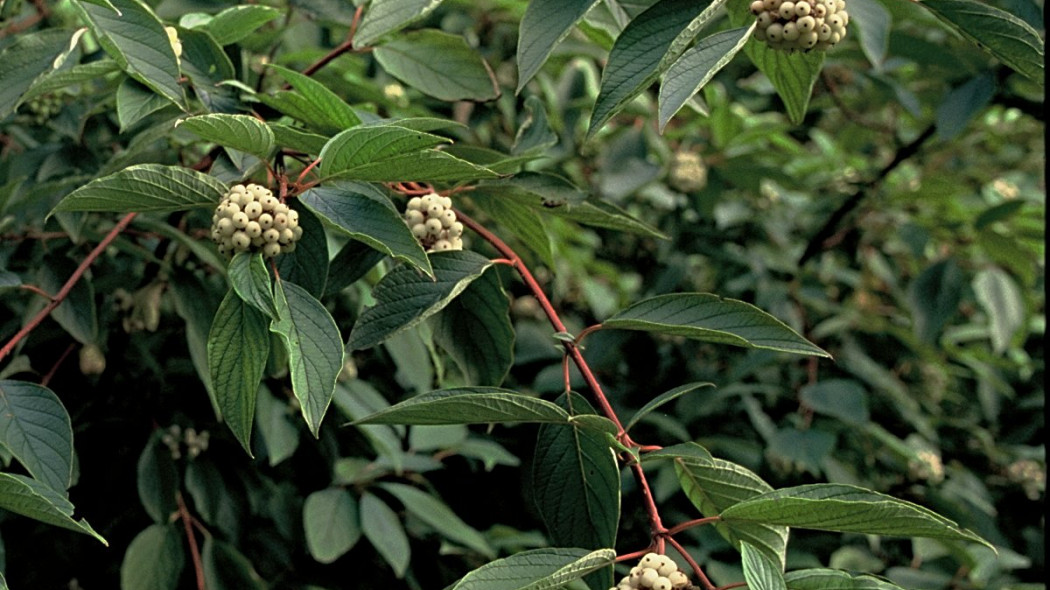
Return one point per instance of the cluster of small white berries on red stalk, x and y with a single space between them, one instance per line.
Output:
802 24
250 218
433 223
655 571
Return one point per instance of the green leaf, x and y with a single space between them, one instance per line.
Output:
157 480
207 66
536 569
545 24
349 264
846 508
710 318
250 279
296 139
364 213
389 153
146 187
196 305
135 102
239 132
59 79
225 568
1001 299
648 45
405 297
873 24
695 68
238 346
29 497
760 572
35 428
383 529
154 559
331 524
713 485
792 74
476 331
576 482
388 16
468 405
438 64
829 579
438 515
934 296
279 434
962 104
844 399
29 57
307 265
1007 37
664 398
237 22
534 135
313 103
315 349
135 38
519 219
77 314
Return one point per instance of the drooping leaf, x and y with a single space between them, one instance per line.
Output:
844 399
207 66
365 214
154 559
664 398
35 428
846 508
251 281
576 483
476 331
1007 37
389 153
157 480
468 405
695 68
645 48
226 568
711 318
405 296
238 346
134 37
307 265
58 79
146 187
315 349
289 137
438 515
323 107
383 529
536 569
331 523
829 579
389 16
28 58
544 25
760 572
239 132
356 399
438 64
237 22
1001 299
29 497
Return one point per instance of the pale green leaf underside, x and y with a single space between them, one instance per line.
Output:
438 64
239 132
536 569
696 67
237 22
468 405
760 572
35 428
383 529
707 317
31 498
146 187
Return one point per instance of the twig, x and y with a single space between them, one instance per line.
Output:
700 575
54 368
66 288
344 47
195 554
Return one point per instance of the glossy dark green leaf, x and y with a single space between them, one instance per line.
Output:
389 16
352 262
439 516
135 38
476 331
154 559
406 296
468 405
29 57
135 102
315 349
238 346
29 497
77 315
846 508
544 25
383 529
250 279
36 429
146 187
312 103
711 318
844 399
760 572
364 213
438 64
663 398
536 569
239 132
516 217
226 568
695 68
331 523
307 265
237 22
206 65
158 480
535 135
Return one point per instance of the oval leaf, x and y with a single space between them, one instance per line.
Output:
383 529
829 579
237 22
544 25
29 57
664 398
760 572
686 76
438 515
468 405
239 132
35 428
330 521
438 64
388 16
146 187
322 107
537 569
29 497
702 316
226 568
476 331
251 281
846 508
154 559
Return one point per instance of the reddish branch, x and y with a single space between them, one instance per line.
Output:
187 525
344 47
64 291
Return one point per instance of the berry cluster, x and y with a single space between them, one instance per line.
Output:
250 218
433 222
655 571
805 24
42 108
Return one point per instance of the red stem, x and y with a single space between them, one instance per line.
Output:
195 554
692 523
64 292
700 575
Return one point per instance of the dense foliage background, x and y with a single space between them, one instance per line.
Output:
898 224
